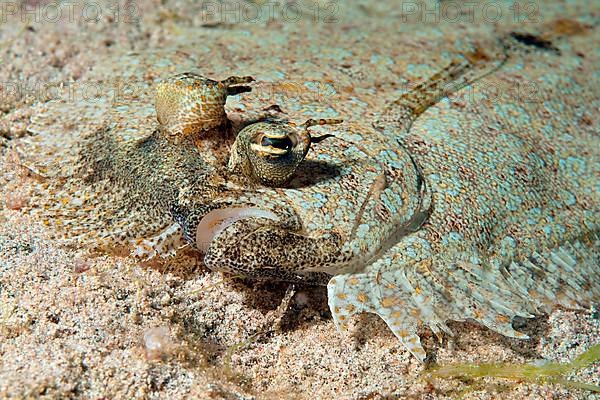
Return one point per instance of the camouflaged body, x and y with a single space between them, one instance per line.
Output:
482 205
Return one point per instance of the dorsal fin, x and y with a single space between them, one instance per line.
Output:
462 71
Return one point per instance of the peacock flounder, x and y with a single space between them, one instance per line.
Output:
461 198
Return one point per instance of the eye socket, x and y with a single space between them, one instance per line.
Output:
284 143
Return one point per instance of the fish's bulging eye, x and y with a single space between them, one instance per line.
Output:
284 143
270 152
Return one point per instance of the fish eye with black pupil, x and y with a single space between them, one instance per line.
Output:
269 152
284 143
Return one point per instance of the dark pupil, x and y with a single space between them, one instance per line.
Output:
283 143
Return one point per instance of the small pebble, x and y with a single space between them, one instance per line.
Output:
165 299
157 342
15 200
81 265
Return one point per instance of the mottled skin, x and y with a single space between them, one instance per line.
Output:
435 214
143 178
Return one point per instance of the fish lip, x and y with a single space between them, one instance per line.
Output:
217 220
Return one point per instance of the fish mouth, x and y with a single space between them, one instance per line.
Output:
217 220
